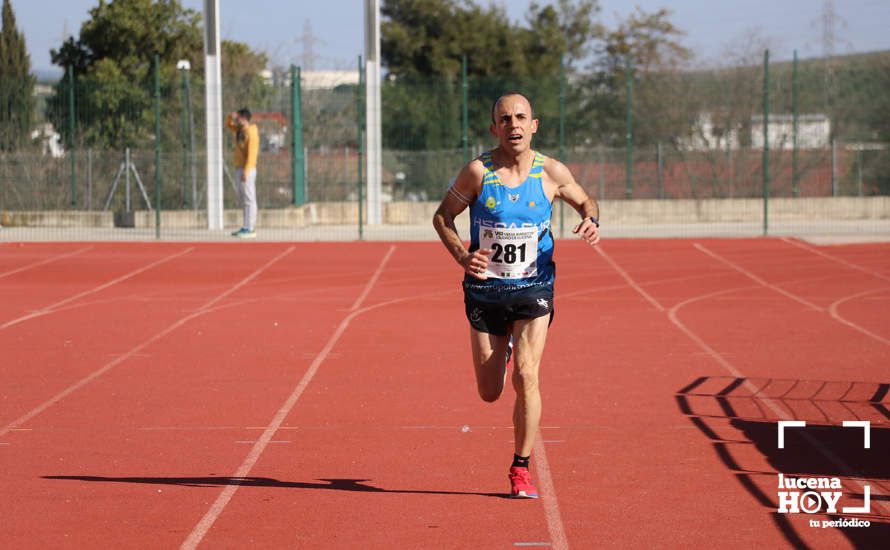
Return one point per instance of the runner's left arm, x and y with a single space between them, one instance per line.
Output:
568 190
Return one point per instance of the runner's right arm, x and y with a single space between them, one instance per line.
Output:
460 195
232 122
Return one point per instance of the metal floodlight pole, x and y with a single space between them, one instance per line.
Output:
184 66
213 109
183 176
374 135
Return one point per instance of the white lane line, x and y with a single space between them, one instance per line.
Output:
714 354
837 316
548 496
50 308
633 284
777 410
206 522
780 413
113 363
842 261
754 277
832 309
44 262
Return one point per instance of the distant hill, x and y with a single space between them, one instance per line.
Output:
48 75
864 58
849 89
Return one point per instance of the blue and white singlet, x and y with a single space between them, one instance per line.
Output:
515 224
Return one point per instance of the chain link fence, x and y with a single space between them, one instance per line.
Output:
768 147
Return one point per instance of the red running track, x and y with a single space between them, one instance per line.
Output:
314 396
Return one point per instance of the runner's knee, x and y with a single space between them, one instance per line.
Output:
525 379
490 391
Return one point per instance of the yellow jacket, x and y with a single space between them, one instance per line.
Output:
246 150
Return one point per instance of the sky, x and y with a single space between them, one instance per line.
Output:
715 29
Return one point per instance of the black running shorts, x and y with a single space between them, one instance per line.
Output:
494 312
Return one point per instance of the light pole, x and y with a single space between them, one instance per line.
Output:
213 115
188 124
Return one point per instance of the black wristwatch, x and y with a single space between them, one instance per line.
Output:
594 219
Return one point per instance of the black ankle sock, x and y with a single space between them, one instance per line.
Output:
520 461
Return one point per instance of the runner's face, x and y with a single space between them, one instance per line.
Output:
513 123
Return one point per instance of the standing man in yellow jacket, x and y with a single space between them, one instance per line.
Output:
247 147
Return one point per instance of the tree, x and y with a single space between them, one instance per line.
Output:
241 67
423 43
16 84
650 43
429 37
874 81
112 64
422 46
565 30
112 61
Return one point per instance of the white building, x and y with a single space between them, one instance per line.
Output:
708 136
310 80
326 80
50 140
813 131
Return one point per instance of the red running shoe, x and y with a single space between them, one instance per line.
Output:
521 484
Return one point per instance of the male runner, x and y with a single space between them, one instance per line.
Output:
509 269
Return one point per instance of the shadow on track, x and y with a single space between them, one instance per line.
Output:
335 484
720 406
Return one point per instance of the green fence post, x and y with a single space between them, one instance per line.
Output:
71 149
795 114
659 170
835 182
157 67
859 171
629 136
465 125
562 134
298 167
765 142
360 119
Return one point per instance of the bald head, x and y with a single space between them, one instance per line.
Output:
509 96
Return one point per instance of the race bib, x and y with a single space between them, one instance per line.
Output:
514 251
